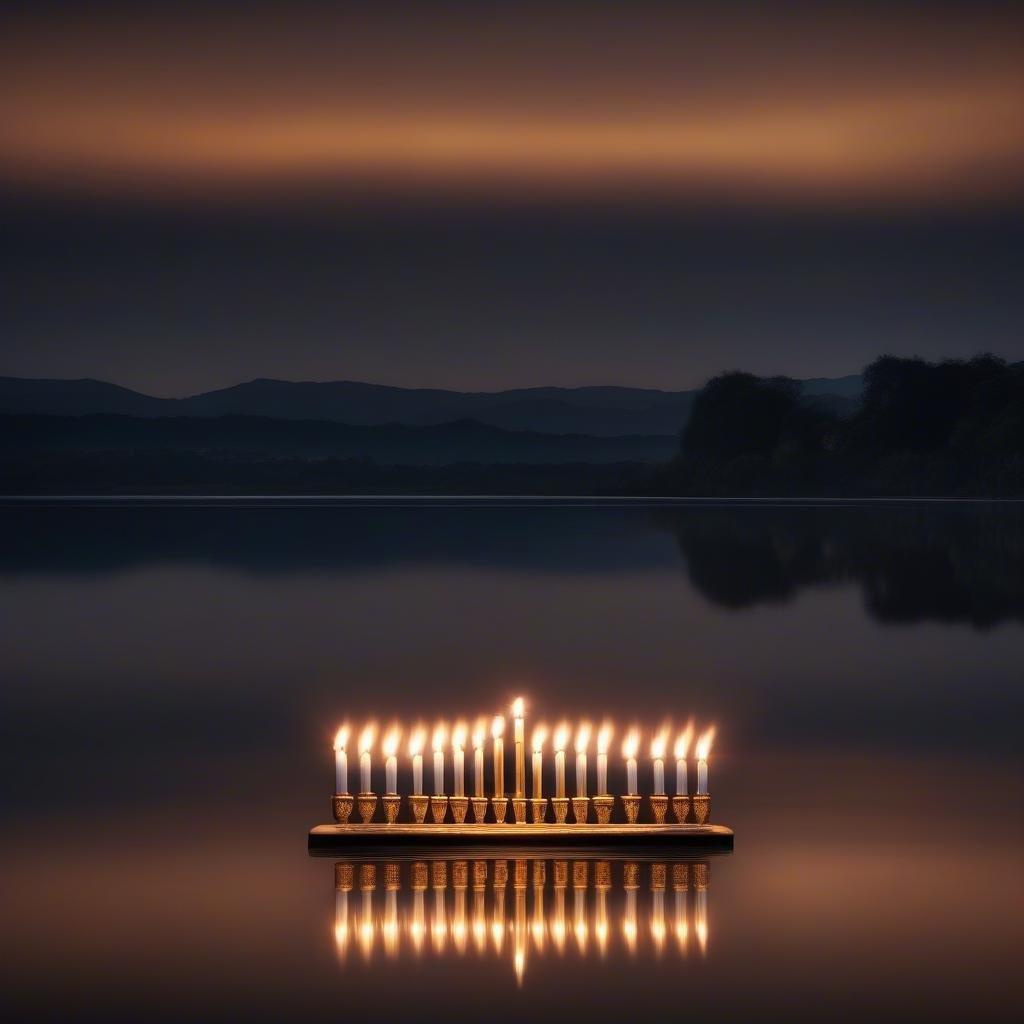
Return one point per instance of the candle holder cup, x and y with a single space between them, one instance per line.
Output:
701 808
603 808
419 804
659 805
519 809
631 805
539 809
343 875
479 809
391 804
560 805
701 876
681 808
367 803
580 809
459 806
438 808
341 807
500 807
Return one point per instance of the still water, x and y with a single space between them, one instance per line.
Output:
174 671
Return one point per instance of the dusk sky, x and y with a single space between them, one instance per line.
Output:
454 197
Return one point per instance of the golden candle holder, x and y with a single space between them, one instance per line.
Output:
580 874
341 807
392 876
701 876
539 809
439 874
561 873
501 872
681 808
540 873
367 877
631 805
560 805
519 871
701 809
459 806
419 804
603 806
500 807
603 874
479 874
519 809
391 805
479 809
343 873
367 803
659 874
460 874
681 877
630 875
659 805
438 808
419 876
580 809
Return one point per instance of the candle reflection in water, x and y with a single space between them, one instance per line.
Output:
463 925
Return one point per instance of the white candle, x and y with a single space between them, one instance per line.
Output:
629 749
540 734
561 739
390 750
582 741
658 745
497 733
520 742
416 741
703 750
440 734
458 759
479 738
366 738
341 760
683 741
604 737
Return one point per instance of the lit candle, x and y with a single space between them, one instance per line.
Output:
479 738
366 738
540 734
416 741
341 760
658 744
389 747
683 741
458 759
604 738
582 742
703 749
497 733
520 741
440 734
561 739
629 749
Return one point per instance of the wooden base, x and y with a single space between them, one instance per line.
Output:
334 838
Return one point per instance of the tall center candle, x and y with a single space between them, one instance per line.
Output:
540 734
561 739
458 759
440 734
416 741
498 733
518 708
479 738
604 738
582 742
629 749
366 738
658 745
341 760
390 750
682 747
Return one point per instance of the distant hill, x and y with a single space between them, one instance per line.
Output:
594 411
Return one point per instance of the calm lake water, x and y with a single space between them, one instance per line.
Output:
173 674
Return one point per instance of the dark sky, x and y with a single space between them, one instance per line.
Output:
640 195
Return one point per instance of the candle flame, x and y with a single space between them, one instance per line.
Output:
367 736
683 741
604 737
389 745
440 735
416 740
498 726
582 737
518 707
659 743
704 744
459 735
479 733
561 736
540 735
341 737
631 744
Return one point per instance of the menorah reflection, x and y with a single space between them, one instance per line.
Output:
520 908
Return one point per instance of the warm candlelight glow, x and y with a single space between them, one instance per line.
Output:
479 733
498 727
341 737
367 737
631 744
540 735
459 733
604 737
439 737
518 707
561 738
416 740
704 744
683 741
582 738
659 743
389 744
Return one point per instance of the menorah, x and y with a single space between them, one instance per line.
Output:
449 804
